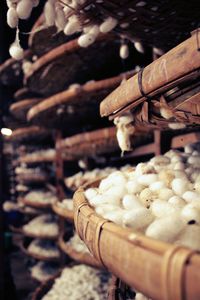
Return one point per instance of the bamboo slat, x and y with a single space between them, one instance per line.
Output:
158 270
19 109
63 212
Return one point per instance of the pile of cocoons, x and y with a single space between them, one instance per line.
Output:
45 248
79 282
77 244
40 197
160 198
43 271
45 224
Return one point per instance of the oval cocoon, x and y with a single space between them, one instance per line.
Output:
137 218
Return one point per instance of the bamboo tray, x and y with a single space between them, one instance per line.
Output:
24 245
156 269
82 258
73 106
27 134
89 144
174 86
160 24
54 71
20 109
63 212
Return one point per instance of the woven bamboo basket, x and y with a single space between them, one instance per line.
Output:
170 83
63 212
160 24
28 134
24 245
158 270
69 63
83 258
73 106
19 109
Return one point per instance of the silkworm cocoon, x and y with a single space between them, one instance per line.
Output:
166 113
166 229
12 17
138 46
16 51
176 158
190 196
105 184
72 27
11 3
188 149
138 218
140 296
189 214
24 8
124 51
123 139
125 119
116 191
90 193
194 160
179 166
177 201
190 237
102 199
160 208
195 175
131 202
180 186
115 216
165 194
156 186
180 174
143 168
133 187
147 179
160 160
60 19
176 126
147 197
94 30
86 40
49 13
109 24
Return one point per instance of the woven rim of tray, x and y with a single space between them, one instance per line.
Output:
70 97
156 23
136 239
63 212
185 106
35 204
66 48
83 258
28 133
20 108
39 236
36 256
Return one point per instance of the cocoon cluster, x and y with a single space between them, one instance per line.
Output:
43 271
79 282
77 244
43 225
160 198
43 197
41 154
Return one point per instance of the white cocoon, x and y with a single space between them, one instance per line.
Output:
133 187
90 193
131 202
115 216
16 51
190 196
162 209
147 179
166 229
180 186
108 25
138 218
165 194
12 18
156 186
177 201
86 40
24 8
